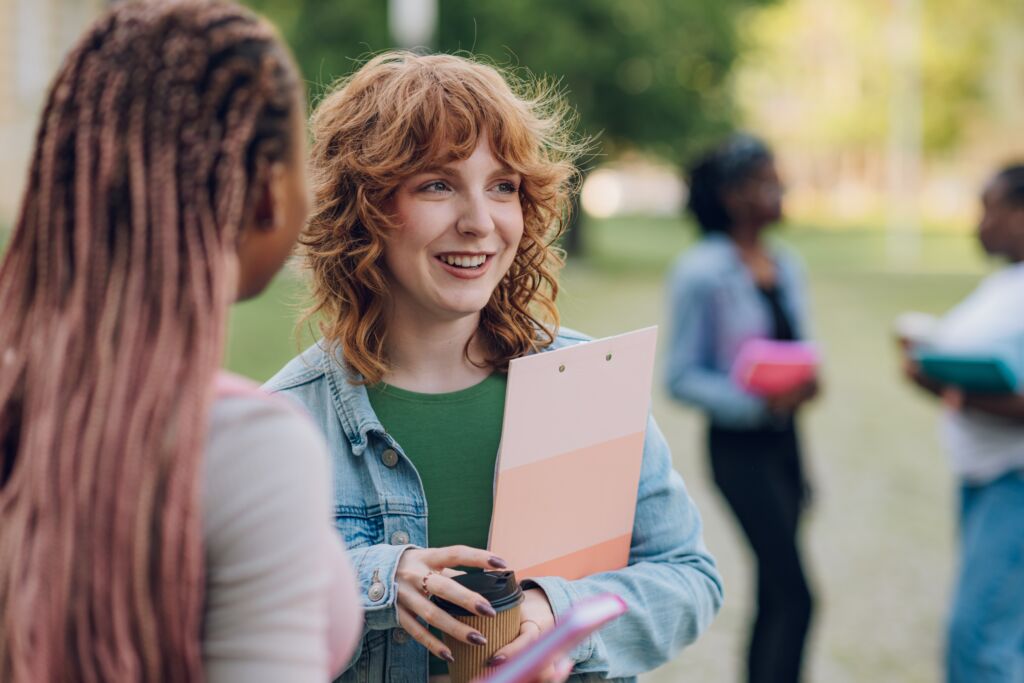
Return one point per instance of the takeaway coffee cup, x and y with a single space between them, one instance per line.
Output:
505 595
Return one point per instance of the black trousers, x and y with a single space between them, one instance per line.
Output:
760 475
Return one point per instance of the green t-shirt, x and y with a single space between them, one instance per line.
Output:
452 439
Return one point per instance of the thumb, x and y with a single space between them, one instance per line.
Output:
953 398
562 671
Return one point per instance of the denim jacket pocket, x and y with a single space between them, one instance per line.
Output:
359 526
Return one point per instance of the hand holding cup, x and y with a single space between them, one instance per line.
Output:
423 572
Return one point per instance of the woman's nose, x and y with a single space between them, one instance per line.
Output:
475 216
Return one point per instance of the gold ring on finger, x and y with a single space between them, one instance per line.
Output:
423 583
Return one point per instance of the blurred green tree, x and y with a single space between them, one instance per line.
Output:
822 72
650 76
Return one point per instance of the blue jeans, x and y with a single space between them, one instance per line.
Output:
986 629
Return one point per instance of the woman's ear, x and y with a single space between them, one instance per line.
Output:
267 198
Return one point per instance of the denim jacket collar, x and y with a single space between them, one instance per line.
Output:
350 399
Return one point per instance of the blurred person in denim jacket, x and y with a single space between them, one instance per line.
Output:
731 287
439 191
984 437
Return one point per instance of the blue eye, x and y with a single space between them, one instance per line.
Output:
507 187
435 186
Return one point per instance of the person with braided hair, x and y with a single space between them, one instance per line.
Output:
159 522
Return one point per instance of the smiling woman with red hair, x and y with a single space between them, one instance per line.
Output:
401 117
440 187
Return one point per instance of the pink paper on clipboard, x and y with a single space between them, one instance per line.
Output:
570 456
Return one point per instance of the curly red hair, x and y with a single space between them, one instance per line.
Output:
399 115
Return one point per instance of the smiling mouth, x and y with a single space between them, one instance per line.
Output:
467 262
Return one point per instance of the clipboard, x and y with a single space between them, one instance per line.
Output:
569 461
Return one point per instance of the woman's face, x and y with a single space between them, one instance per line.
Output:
757 200
1001 230
458 229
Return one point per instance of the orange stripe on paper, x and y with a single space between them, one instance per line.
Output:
613 554
567 504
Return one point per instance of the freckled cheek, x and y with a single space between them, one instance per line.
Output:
511 226
512 242
424 226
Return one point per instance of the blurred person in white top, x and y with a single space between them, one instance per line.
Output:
984 437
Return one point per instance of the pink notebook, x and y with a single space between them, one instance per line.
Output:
766 367
570 455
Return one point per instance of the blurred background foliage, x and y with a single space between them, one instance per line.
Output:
875 103
884 112
831 63
651 76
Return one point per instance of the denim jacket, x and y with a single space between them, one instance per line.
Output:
671 584
714 308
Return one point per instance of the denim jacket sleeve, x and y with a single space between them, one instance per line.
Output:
376 564
375 568
671 584
691 374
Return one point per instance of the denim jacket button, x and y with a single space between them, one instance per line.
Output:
399 635
389 457
399 538
376 592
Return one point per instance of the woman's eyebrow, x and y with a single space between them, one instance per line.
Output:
502 170
449 171
445 170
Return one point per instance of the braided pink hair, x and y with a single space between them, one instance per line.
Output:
115 291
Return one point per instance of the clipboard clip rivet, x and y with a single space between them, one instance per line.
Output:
561 368
608 357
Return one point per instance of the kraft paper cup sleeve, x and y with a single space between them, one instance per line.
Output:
471 660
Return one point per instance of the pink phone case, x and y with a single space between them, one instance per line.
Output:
586 617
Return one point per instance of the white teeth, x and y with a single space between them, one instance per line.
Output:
465 261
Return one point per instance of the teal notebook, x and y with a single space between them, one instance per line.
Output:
975 372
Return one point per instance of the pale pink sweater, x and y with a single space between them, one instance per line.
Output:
281 597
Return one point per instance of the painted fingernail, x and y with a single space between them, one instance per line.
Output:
497 562
496 660
446 655
476 638
485 610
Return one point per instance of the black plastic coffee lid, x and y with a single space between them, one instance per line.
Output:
500 588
